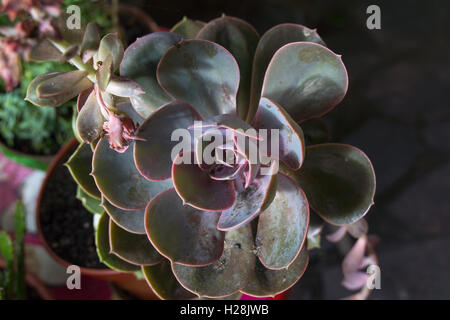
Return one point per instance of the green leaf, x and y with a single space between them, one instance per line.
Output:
163 282
291 143
140 62
198 190
104 249
56 99
339 182
270 42
188 28
181 233
119 181
226 276
283 226
45 51
268 283
131 220
203 74
241 39
91 204
80 166
123 87
133 248
153 155
306 79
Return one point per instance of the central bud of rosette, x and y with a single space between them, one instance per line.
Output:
227 148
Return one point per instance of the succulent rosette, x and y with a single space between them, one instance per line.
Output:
238 224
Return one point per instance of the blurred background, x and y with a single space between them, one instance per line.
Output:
396 110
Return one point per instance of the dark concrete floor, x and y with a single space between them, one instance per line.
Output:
396 110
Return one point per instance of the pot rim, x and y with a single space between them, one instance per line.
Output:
54 163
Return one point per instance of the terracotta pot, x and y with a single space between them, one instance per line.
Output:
36 284
127 281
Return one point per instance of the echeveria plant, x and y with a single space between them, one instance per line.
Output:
199 228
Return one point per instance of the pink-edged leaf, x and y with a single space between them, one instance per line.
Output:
283 226
270 42
306 79
82 97
227 275
197 189
153 154
139 64
241 39
250 201
182 233
162 281
268 283
133 248
131 220
339 181
291 143
119 181
202 73
187 28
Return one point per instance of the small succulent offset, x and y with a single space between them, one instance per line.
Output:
210 229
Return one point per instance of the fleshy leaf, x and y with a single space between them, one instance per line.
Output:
133 248
104 72
91 204
250 201
241 39
91 38
202 73
119 181
181 233
131 220
266 282
104 249
123 87
163 282
80 166
188 28
139 63
307 79
153 153
283 226
338 180
45 51
291 146
59 84
110 45
270 42
90 119
57 99
226 276
198 190
82 98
